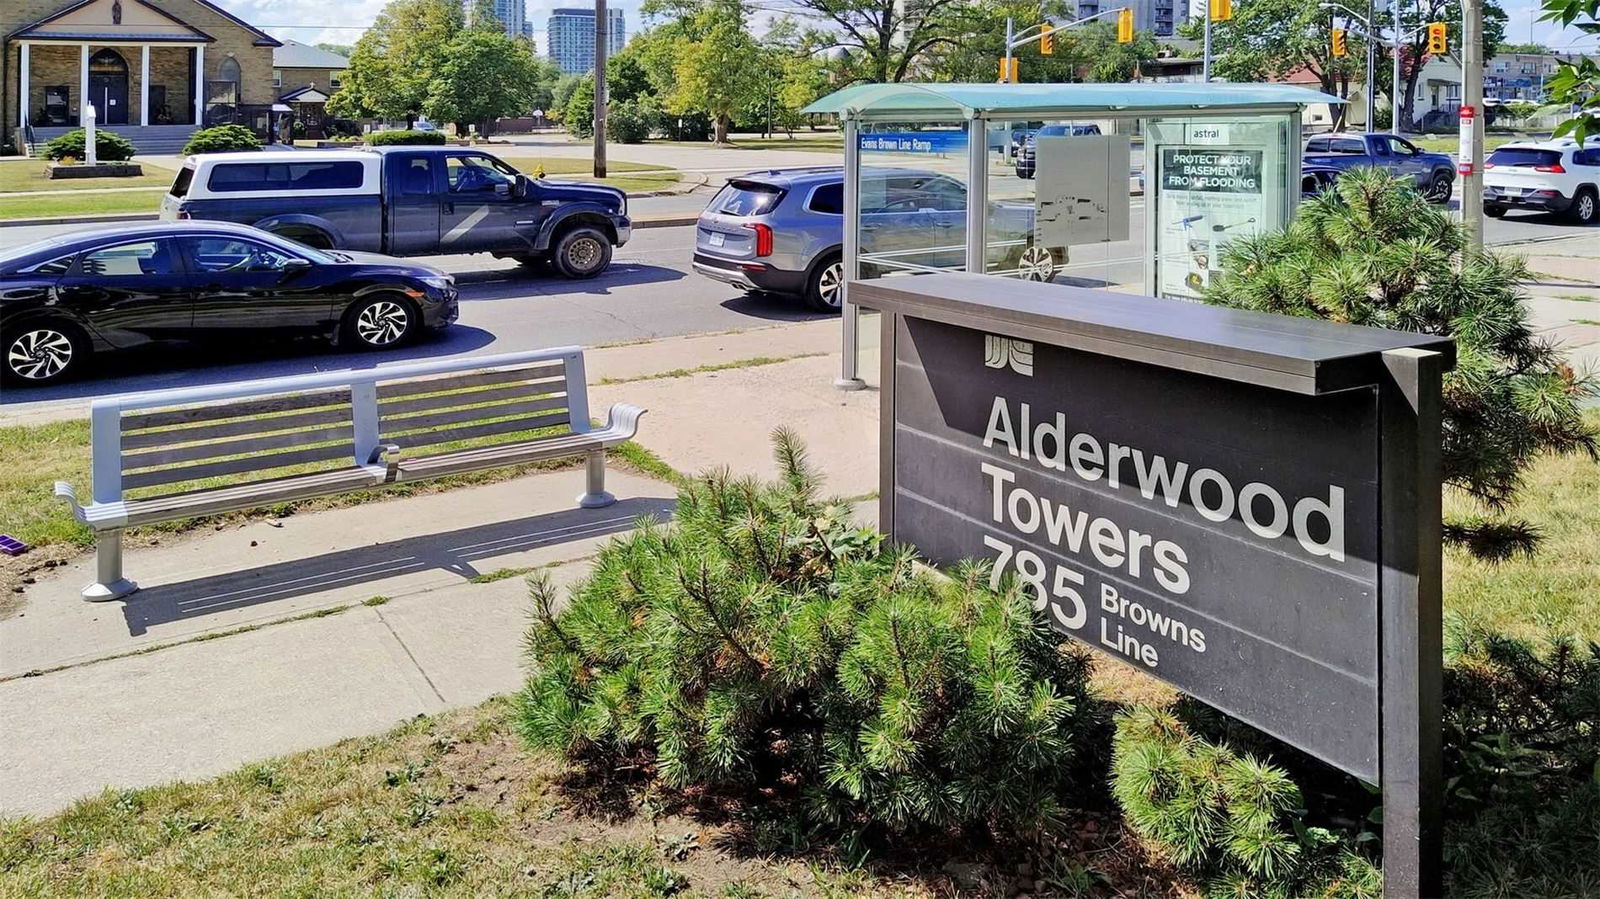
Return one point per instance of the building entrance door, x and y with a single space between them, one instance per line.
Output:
108 87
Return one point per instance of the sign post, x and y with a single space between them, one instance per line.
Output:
1241 504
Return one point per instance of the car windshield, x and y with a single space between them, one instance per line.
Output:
1524 156
746 198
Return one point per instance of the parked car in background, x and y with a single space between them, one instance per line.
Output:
782 231
1028 150
1316 180
1548 176
407 201
65 298
1434 174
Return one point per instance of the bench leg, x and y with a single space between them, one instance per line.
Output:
596 497
108 563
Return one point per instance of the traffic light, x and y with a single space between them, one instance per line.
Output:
1339 48
1009 73
1438 37
1221 10
1047 41
1125 26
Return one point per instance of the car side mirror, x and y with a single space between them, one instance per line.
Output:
520 187
294 266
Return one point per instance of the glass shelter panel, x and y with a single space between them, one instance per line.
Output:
912 198
1214 180
1060 204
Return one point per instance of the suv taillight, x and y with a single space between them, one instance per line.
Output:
763 238
1552 169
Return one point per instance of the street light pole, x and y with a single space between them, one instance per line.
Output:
1400 121
600 40
1205 52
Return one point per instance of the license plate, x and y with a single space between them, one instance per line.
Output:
717 239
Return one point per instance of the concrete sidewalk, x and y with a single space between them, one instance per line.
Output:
251 641
1564 295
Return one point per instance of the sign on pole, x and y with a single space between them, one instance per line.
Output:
1241 504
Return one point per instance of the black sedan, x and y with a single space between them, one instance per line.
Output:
65 298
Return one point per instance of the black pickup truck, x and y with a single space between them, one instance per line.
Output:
407 201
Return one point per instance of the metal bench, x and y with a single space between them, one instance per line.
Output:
316 435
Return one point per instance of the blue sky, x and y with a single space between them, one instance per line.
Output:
310 20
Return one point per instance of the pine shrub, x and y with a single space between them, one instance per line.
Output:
1231 819
761 642
1373 251
222 139
109 146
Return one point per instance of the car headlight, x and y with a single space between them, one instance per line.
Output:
439 282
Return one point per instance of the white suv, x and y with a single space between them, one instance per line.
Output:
1549 176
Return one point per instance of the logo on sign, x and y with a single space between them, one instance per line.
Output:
1000 352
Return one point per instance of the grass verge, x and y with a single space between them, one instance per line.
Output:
69 203
636 177
751 362
16 176
444 806
815 143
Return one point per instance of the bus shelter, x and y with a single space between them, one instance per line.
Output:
1045 182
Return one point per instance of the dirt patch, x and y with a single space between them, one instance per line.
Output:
18 572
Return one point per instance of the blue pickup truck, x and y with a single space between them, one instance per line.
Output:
1433 173
407 201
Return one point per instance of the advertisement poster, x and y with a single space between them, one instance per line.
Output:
1209 195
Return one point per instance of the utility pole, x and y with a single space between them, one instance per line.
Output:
1372 62
1205 52
600 45
1398 119
1470 165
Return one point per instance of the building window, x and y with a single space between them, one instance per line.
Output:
277 78
336 79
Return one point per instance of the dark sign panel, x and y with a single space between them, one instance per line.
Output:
1217 534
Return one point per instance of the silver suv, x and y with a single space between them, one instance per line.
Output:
782 231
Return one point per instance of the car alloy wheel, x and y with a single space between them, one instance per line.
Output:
1440 188
382 323
40 354
830 285
1584 209
1036 264
583 253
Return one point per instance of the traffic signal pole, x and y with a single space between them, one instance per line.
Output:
1470 165
1372 62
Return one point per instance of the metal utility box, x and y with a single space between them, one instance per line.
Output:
1082 192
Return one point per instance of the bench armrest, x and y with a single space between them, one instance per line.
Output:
622 422
388 454
70 496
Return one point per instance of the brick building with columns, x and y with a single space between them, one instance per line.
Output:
153 69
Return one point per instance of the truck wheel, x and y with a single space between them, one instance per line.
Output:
582 252
1585 209
1439 188
1494 212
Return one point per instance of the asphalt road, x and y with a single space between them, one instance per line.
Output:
650 291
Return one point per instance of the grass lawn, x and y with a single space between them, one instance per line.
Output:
73 203
636 177
1451 143
828 142
29 175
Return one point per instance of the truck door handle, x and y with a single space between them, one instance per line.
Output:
448 208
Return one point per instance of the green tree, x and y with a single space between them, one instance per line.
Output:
889 39
1414 50
577 114
484 75
975 57
626 78
561 92
1268 40
718 66
1114 62
1576 84
1374 252
395 61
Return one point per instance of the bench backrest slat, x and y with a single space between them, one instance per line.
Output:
390 409
241 427
235 409
491 429
257 463
395 389
192 452
400 430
